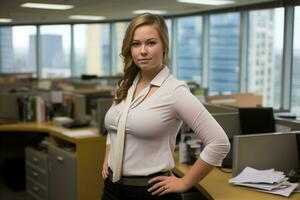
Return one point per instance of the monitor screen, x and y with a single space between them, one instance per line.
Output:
256 120
298 146
103 105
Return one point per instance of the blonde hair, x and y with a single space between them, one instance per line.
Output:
130 69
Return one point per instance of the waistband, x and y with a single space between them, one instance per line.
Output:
137 180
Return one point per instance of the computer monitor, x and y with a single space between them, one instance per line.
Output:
103 105
74 106
298 147
257 120
80 108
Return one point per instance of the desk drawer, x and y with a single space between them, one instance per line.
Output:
36 174
37 190
37 158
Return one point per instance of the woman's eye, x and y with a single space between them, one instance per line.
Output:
151 43
135 44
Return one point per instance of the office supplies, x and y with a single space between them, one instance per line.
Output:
264 151
257 120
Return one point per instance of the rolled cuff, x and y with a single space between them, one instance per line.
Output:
215 154
108 139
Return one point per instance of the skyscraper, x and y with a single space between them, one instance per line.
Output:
6 50
223 64
188 49
261 55
51 55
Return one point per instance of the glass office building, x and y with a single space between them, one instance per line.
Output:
188 49
6 53
223 61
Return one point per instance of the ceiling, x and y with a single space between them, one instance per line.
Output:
111 9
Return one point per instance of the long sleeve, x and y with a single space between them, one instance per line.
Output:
192 112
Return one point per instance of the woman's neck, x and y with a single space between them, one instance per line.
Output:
148 76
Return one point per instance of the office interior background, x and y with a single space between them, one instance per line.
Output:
242 48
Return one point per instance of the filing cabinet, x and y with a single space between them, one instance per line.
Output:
62 174
36 174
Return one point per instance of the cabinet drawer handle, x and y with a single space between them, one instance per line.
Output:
36 189
35 160
35 174
60 159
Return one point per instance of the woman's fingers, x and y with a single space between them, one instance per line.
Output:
166 184
105 172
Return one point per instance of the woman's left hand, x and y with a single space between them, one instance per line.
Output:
166 184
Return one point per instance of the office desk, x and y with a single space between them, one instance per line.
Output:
89 155
215 186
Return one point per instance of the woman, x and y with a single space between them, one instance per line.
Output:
151 104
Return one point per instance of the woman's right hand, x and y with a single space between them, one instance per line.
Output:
105 170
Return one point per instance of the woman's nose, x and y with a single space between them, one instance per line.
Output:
143 50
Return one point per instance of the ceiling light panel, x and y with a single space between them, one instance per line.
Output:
87 17
5 20
157 12
47 6
207 2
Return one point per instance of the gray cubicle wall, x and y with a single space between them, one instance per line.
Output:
293 124
230 122
265 151
219 109
9 106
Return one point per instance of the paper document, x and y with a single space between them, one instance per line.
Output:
284 191
270 181
251 175
80 133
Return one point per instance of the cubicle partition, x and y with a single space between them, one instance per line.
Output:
265 151
230 122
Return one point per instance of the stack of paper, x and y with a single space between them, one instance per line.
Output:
269 180
80 133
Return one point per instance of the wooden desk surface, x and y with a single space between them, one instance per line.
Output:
216 186
89 153
51 129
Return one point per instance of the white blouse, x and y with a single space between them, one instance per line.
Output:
152 126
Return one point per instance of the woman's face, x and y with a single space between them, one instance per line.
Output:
147 48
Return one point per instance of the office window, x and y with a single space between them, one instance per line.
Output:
188 48
17 49
92 50
119 30
223 63
265 54
295 104
55 44
169 26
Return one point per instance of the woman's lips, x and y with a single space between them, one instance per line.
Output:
146 60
